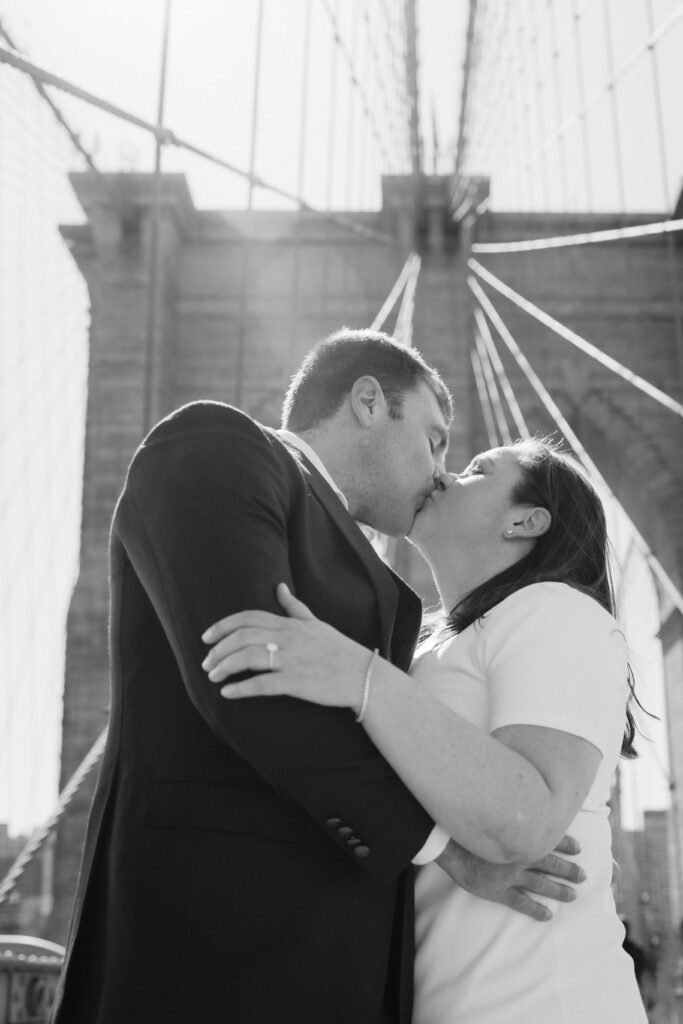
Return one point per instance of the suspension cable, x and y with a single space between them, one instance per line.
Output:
41 833
246 245
581 84
356 82
404 320
584 238
466 91
386 95
652 41
410 267
149 410
492 388
73 136
484 400
166 136
655 565
499 370
576 339
664 170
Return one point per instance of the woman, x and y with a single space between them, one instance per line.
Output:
510 739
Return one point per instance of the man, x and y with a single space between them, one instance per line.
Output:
251 864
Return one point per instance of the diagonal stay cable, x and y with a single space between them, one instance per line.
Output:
404 320
41 833
410 267
492 388
584 238
484 400
61 119
584 346
656 566
165 136
499 370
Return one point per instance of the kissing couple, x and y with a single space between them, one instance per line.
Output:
299 821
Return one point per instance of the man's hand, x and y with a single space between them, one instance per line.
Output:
513 884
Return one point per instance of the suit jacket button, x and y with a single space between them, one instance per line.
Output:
362 851
333 822
345 830
353 841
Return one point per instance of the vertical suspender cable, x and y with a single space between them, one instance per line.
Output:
301 174
463 143
525 105
246 244
303 123
255 104
615 109
664 170
150 409
331 121
331 139
351 156
539 108
558 102
580 78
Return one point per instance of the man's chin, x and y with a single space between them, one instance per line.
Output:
413 532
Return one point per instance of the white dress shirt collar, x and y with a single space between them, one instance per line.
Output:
315 459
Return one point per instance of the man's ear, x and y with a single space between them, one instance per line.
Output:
367 400
533 522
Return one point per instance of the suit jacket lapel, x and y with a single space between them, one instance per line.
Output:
385 587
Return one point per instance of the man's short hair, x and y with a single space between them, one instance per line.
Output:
331 368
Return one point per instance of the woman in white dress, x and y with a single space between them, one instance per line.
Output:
509 741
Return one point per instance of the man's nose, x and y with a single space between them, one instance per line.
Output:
443 480
439 465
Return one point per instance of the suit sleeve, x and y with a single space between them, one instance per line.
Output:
204 521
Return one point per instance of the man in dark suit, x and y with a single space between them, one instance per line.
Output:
250 863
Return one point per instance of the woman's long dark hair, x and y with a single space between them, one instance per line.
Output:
574 550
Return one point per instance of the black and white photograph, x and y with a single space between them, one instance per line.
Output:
341 512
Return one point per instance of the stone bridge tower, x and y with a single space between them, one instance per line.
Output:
242 295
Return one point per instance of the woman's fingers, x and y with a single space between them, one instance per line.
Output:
254 618
253 658
295 609
245 636
267 685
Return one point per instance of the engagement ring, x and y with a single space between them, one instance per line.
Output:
272 648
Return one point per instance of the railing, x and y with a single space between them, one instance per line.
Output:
29 970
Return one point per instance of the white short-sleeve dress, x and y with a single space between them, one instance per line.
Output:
547 656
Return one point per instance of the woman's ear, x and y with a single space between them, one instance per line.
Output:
533 522
367 400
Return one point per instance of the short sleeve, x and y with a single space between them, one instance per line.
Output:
553 657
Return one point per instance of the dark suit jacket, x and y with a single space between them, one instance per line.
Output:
246 862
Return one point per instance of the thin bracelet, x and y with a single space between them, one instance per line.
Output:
366 686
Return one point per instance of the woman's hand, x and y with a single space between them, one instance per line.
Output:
297 656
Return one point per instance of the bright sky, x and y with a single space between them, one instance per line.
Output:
113 49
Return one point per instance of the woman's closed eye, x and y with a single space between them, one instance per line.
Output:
474 469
